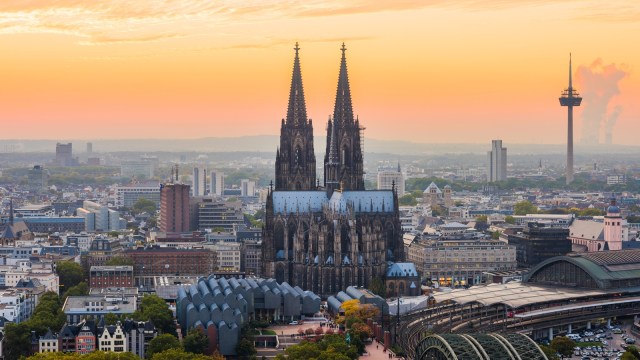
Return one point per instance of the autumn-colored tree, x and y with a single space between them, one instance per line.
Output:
319 331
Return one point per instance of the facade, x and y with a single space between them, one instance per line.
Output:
433 196
64 155
247 188
606 270
127 195
156 261
228 255
613 227
46 224
137 168
48 342
138 335
99 217
326 239
85 341
251 257
402 279
174 208
216 214
77 308
113 339
111 276
388 178
460 262
220 307
538 242
38 179
199 181
216 187
497 170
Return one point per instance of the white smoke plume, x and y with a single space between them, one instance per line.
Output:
611 122
598 84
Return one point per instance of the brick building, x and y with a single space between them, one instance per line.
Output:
158 261
111 276
174 208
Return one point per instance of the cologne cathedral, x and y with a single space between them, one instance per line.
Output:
326 237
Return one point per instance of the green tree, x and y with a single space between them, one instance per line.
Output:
407 200
179 354
245 349
590 212
563 345
70 273
524 208
495 235
119 261
155 309
482 219
378 287
16 340
111 319
549 352
78 290
47 315
144 205
195 342
162 343
634 351
510 219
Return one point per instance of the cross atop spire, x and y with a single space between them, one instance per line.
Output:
343 110
297 109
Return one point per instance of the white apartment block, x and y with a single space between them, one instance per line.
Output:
127 195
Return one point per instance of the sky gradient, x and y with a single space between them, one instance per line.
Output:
424 71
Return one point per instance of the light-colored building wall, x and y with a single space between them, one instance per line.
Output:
460 262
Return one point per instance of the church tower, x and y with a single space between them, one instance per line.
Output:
295 158
613 227
343 166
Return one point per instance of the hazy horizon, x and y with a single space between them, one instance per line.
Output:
423 71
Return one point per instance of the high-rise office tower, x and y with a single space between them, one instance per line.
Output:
216 186
199 181
247 188
174 208
570 98
497 162
64 154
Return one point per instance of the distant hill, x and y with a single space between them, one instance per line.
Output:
269 143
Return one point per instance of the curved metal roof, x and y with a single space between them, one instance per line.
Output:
492 346
602 266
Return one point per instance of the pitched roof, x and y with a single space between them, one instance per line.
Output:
587 229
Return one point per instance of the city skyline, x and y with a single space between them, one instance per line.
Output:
420 71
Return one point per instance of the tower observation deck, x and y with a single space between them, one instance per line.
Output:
570 98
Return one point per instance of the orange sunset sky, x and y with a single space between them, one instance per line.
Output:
424 71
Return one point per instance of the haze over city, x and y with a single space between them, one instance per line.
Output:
423 71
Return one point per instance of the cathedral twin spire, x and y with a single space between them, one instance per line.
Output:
297 109
295 160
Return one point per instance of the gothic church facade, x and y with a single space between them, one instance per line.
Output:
327 237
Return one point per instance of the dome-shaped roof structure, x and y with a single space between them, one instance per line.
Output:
613 208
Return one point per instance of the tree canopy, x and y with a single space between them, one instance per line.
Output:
144 205
119 261
162 343
525 207
563 345
195 342
155 309
70 273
